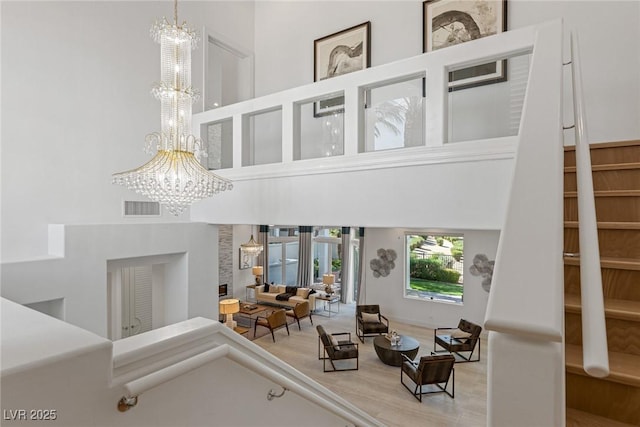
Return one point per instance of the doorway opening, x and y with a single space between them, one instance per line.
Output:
228 72
145 293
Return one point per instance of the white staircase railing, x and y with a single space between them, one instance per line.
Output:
135 388
151 360
525 313
594 330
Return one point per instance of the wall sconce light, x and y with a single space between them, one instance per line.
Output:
229 307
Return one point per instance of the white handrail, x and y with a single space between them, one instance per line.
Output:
520 303
136 387
594 331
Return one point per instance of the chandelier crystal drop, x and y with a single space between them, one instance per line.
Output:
174 177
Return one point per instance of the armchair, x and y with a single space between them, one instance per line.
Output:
461 339
329 348
300 311
429 370
370 322
275 320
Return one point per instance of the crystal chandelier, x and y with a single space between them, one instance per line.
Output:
174 176
252 247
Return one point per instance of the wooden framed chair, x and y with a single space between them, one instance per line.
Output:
273 321
332 349
369 321
300 311
435 371
464 338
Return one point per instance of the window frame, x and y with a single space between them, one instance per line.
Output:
407 269
320 239
283 241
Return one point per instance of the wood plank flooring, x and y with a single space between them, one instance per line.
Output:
375 387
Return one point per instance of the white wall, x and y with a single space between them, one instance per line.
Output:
610 75
80 275
611 80
76 79
455 194
242 278
285 31
389 291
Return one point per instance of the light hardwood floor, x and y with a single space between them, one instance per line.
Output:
375 387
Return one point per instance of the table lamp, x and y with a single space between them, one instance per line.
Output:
328 280
228 307
258 271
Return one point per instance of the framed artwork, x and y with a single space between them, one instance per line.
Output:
246 261
450 22
340 53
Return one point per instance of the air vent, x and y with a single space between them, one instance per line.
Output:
139 208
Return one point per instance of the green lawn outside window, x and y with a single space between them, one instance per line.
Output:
453 289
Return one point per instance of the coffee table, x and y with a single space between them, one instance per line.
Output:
392 354
250 314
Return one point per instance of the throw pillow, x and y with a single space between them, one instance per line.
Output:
370 318
457 333
274 289
266 288
334 342
291 289
303 292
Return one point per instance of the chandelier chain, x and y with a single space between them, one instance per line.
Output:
175 12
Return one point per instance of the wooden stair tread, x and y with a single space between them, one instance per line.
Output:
600 145
606 262
607 167
608 225
613 308
615 171
623 368
577 418
606 193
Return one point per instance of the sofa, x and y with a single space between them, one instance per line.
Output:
270 296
